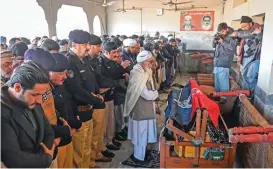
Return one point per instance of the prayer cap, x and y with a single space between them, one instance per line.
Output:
129 42
143 56
6 53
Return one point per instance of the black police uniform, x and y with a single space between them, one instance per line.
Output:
81 82
66 106
113 71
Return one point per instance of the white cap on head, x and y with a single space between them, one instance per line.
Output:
143 56
55 38
63 48
129 42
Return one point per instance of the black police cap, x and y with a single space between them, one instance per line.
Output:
79 36
109 46
94 40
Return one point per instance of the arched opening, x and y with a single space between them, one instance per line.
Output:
97 26
25 19
70 18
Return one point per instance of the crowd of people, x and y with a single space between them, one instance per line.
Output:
71 103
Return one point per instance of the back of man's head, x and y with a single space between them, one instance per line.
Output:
50 45
25 40
19 49
29 74
13 41
63 42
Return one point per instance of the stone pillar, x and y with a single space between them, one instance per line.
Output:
264 90
90 18
50 8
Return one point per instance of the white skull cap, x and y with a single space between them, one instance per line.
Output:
129 42
143 56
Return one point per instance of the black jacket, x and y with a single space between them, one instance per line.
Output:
130 57
66 106
114 71
225 51
81 82
19 147
169 53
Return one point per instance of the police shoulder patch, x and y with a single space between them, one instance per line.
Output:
44 96
70 74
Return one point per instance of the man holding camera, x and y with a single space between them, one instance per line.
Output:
225 48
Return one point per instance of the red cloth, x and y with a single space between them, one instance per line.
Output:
200 100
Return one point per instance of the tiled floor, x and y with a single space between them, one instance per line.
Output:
126 149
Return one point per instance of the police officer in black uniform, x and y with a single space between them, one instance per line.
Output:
111 69
82 84
99 151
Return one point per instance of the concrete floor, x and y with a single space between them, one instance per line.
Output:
127 148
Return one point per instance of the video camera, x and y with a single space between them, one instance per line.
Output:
218 36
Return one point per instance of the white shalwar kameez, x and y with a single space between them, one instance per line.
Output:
144 131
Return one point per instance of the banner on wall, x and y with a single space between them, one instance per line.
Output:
197 21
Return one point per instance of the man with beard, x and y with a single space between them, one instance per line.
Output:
6 66
111 69
128 52
82 84
63 101
225 48
140 106
60 126
27 136
250 52
98 152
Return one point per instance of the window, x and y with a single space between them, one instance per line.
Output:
97 26
70 18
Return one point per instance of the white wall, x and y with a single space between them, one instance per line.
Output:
130 22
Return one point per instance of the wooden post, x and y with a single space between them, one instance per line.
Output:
162 152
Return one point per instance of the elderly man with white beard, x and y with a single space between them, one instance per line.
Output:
140 106
6 66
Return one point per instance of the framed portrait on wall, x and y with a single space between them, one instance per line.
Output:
197 21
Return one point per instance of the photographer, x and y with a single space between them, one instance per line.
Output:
225 48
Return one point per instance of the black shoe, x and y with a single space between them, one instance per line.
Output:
125 129
138 161
108 154
116 143
119 137
124 134
112 147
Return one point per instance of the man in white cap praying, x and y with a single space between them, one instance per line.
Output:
140 106
129 52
